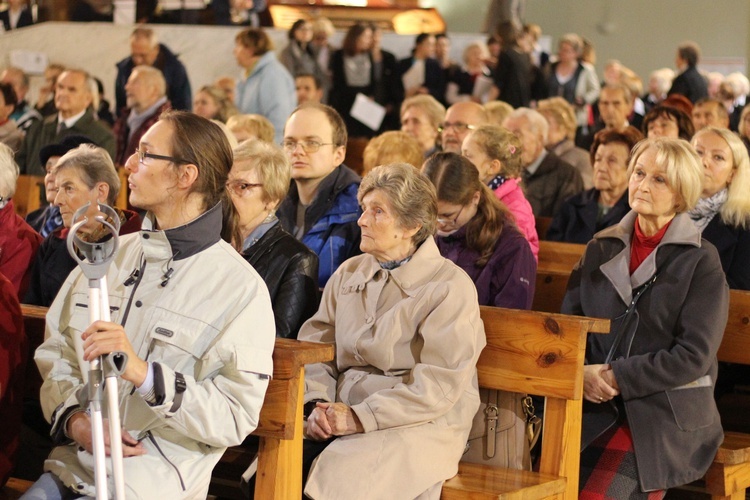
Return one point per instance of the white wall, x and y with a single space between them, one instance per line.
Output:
644 33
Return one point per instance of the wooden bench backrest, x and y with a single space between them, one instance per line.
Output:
558 256
735 346
550 290
542 354
28 194
556 261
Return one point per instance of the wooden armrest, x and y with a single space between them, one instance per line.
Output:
734 450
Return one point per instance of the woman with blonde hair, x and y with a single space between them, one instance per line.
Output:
251 126
392 147
723 210
421 115
258 181
562 132
496 153
654 374
464 79
212 102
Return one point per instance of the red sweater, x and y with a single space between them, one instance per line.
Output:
643 245
12 375
18 246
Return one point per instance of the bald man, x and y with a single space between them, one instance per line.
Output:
146 99
145 49
460 119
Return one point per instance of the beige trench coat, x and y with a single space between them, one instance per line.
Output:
407 343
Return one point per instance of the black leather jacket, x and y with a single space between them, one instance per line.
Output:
290 271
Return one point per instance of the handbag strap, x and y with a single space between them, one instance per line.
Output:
628 314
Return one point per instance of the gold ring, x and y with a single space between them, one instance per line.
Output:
601 398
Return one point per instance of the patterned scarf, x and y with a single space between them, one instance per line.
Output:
497 182
707 208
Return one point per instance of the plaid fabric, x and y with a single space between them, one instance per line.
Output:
609 470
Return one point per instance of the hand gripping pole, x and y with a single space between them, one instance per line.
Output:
94 259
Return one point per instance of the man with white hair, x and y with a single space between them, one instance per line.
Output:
547 180
145 49
146 100
74 117
741 88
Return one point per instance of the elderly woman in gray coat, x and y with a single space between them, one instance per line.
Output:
658 380
401 394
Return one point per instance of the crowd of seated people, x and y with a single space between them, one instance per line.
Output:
247 198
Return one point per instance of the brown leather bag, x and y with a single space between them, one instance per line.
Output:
504 430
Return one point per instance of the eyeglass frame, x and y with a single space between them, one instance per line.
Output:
143 154
458 126
288 148
444 222
242 192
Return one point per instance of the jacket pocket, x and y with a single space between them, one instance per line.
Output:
179 341
692 408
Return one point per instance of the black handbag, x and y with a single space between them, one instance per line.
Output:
598 418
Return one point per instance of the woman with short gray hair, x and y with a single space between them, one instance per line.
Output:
18 241
258 181
406 325
83 175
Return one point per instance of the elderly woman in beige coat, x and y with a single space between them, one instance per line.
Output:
401 393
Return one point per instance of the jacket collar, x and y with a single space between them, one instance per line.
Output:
409 277
681 231
183 241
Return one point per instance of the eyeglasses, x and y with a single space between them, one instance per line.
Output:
459 127
240 188
142 155
307 146
449 221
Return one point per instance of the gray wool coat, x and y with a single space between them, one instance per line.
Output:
667 381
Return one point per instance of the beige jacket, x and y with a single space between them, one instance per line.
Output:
211 321
407 343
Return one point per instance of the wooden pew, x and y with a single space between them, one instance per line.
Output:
556 261
729 475
280 428
539 354
28 194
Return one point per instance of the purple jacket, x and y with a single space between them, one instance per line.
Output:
511 194
508 278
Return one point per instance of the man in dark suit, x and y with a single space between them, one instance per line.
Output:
74 117
689 82
17 15
547 180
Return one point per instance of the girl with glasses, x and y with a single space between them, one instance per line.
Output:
477 232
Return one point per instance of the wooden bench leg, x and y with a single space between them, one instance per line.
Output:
727 481
279 473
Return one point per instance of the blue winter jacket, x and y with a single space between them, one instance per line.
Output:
331 229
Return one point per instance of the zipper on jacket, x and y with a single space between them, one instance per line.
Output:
158 448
